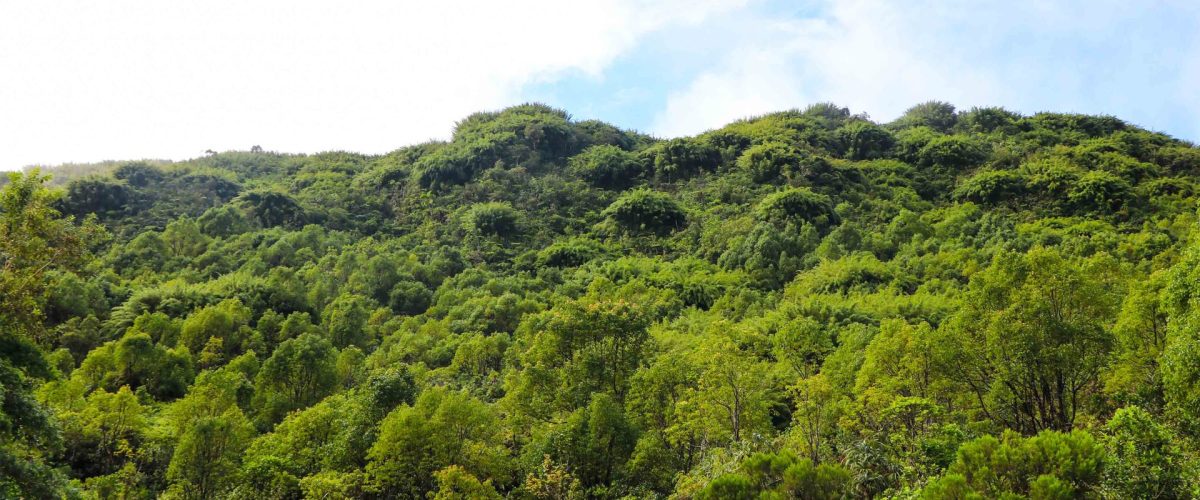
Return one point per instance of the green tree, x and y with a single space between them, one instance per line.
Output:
299 373
1033 337
443 428
346 321
1145 459
206 461
34 240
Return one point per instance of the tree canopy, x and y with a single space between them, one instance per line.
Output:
804 304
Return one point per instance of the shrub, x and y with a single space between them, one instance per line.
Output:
606 166
766 161
646 211
865 140
492 219
795 205
682 158
993 186
952 152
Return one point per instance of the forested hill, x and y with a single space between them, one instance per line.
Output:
804 304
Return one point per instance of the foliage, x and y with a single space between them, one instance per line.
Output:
803 304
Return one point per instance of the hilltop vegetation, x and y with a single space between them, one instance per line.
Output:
806 304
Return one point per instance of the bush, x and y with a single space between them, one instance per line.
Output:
568 253
1099 191
682 158
795 205
766 161
271 209
865 140
492 219
936 115
608 167
953 153
992 187
987 120
97 195
138 174
646 211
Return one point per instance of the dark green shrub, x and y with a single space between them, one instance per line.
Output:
645 211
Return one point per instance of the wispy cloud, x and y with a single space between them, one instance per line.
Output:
1133 60
89 81
127 78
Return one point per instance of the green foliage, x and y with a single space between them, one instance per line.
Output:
1049 465
139 174
797 205
607 166
865 140
647 212
443 428
937 115
780 476
492 219
1146 461
1031 338
803 304
299 373
765 162
681 158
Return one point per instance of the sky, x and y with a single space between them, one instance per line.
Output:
84 81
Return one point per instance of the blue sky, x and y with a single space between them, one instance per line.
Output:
1138 61
122 79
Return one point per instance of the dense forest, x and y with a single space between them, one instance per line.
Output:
805 304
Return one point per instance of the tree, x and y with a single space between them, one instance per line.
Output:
1145 458
138 174
593 344
681 158
184 239
299 373
455 483
1032 339
993 187
936 115
765 475
443 428
952 153
224 320
346 321
735 393
103 434
1099 191
34 240
595 442
206 460
865 140
94 195
271 209
223 221
492 219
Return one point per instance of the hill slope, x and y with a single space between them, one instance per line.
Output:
805 303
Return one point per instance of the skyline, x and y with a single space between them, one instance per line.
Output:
132 80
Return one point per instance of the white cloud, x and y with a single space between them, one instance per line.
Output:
881 57
85 81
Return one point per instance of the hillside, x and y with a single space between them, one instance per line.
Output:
805 304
